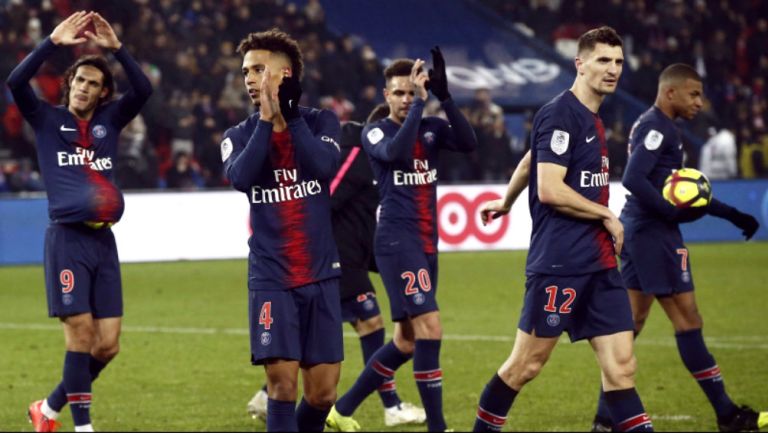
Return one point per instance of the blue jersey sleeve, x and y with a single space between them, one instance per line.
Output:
457 134
129 105
554 139
400 146
646 147
23 95
319 152
243 162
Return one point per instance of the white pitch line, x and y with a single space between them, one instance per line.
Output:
736 342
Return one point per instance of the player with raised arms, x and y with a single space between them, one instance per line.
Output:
283 157
77 151
655 264
572 282
403 150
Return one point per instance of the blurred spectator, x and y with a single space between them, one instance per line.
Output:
184 174
718 156
23 177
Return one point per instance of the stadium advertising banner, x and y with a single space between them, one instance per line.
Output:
214 225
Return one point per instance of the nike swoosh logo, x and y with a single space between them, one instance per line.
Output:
65 129
589 139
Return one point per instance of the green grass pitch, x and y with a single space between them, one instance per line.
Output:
184 363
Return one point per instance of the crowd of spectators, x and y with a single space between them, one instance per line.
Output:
188 50
724 40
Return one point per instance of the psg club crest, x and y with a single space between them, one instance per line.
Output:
99 131
429 137
266 338
67 299
419 298
686 277
553 320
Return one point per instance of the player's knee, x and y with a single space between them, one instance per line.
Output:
518 373
322 399
640 320
283 390
404 345
621 373
106 352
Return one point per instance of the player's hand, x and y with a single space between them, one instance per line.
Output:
105 36
438 81
616 229
746 222
268 100
289 94
419 79
66 33
493 209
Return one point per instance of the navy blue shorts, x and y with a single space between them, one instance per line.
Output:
362 307
410 278
302 324
655 261
82 272
586 306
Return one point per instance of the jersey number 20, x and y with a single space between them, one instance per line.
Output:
423 278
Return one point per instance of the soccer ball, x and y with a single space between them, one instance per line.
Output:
687 187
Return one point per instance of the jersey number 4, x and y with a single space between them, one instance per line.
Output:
265 317
423 278
565 308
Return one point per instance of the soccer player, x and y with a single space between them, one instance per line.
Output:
572 282
77 149
655 261
283 157
403 150
354 200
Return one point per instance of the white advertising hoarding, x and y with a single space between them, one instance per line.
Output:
215 225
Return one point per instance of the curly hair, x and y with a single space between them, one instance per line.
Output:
97 62
275 41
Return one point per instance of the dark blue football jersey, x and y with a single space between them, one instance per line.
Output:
404 159
566 133
77 158
286 177
655 151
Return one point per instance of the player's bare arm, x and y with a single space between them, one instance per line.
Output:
105 36
517 183
554 192
419 79
66 33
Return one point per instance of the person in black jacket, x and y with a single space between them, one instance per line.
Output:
354 200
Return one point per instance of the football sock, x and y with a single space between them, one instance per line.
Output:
704 369
370 344
77 382
627 411
281 415
429 380
48 412
380 369
495 402
58 397
310 418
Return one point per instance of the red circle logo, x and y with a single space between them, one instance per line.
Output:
460 218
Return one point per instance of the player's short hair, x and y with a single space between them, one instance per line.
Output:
379 112
97 62
677 73
399 68
601 35
275 41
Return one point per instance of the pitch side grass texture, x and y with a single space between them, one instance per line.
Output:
184 361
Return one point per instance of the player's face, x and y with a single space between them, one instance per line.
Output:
601 68
254 64
399 95
688 98
85 90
